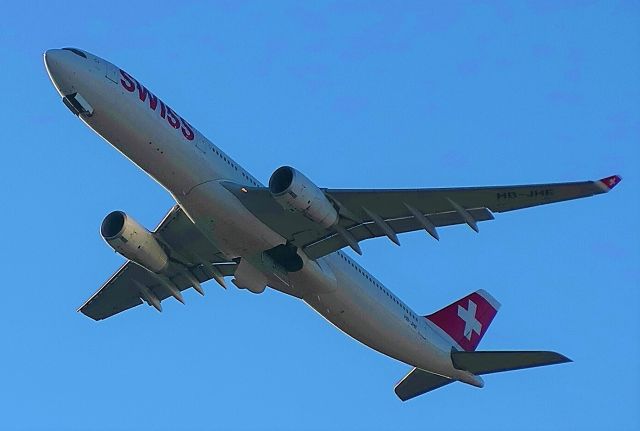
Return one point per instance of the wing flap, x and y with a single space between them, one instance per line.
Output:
370 229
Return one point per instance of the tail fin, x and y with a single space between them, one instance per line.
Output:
465 322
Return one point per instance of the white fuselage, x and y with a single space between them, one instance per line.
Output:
191 167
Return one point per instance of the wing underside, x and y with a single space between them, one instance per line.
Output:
363 214
368 214
194 260
123 290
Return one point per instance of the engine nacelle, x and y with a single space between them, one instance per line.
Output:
296 193
133 241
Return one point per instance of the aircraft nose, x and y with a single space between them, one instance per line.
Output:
59 66
50 56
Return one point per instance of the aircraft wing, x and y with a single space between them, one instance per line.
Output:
193 257
373 213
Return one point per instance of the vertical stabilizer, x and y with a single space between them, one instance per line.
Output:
465 322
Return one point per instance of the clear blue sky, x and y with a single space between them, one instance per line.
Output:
354 94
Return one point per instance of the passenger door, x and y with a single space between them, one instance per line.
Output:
111 72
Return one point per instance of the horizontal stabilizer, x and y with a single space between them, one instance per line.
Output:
418 382
495 362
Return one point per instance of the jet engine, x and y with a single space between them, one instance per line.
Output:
296 193
133 241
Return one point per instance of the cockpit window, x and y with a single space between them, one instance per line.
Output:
76 51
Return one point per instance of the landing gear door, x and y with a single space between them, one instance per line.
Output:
111 73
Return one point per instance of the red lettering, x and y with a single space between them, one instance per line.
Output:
127 81
187 131
175 121
172 118
143 93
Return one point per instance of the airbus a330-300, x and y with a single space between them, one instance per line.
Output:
287 235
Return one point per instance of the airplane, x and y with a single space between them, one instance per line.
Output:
287 235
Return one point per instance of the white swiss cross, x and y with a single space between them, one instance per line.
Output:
471 324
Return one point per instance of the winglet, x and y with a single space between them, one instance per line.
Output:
608 183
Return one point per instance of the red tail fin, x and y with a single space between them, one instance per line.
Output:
466 320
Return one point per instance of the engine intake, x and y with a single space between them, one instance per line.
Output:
296 193
133 241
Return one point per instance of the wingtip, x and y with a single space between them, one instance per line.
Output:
556 358
609 182
562 359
